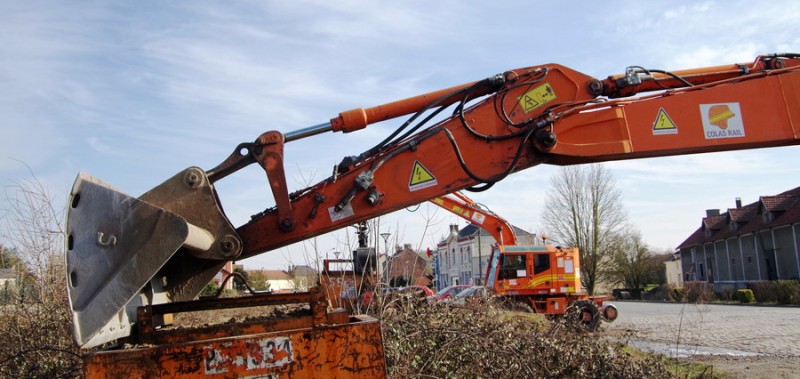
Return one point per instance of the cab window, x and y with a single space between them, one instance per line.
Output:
541 263
512 267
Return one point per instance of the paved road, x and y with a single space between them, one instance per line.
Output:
710 329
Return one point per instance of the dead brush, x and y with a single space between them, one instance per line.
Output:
482 340
35 321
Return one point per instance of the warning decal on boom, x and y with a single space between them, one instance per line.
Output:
537 97
420 178
664 124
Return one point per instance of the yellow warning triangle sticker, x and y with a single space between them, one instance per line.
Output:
664 124
528 103
537 97
420 177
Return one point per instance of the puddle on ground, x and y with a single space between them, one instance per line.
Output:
685 351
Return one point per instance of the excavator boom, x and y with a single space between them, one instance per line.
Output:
176 237
464 207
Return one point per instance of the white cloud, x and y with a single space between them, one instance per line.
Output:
134 93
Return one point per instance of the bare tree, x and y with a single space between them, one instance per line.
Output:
584 209
634 264
35 325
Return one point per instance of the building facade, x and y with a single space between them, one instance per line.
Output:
748 243
674 271
220 277
407 267
462 257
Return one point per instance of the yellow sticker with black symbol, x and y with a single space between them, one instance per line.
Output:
537 97
420 178
664 124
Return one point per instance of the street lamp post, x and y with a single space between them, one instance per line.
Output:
386 250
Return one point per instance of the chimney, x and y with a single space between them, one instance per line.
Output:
712 212
454 230
738 202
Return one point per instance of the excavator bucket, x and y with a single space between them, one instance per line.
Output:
123 252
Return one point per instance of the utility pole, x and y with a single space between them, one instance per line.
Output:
386 247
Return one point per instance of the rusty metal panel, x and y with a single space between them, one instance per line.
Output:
352 350
344 288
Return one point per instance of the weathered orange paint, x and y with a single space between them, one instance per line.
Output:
350 350
585 129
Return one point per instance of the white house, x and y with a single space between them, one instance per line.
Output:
462 257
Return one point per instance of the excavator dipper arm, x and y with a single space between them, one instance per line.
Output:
466 208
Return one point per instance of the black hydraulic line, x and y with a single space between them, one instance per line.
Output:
432 104
498 177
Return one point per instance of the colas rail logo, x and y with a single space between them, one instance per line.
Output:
722 120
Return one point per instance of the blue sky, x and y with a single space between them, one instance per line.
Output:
133 92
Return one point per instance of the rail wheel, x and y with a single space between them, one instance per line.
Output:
584 315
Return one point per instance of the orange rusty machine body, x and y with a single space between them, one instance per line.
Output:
316 344
537 278
129 256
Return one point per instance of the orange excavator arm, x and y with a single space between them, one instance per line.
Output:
178 236
464 207
547 114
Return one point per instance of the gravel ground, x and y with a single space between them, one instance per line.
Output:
745 341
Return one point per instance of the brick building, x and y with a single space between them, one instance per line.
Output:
748 243
408 267
220 277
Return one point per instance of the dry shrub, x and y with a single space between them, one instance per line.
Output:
762 291
787 291
35 322
35 338
484 341
699 292
777 291
728 293
665 292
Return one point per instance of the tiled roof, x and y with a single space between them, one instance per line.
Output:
472 231
785 208
714 222
303 271
276 275
779 202
695 238
743 214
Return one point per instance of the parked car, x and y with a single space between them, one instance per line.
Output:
420 290
468 295
370 296
448 292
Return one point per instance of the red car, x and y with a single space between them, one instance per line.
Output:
448 292
425 290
